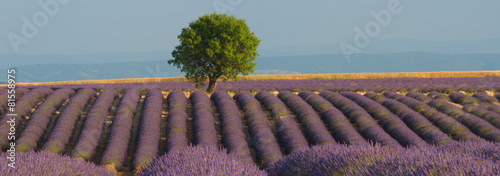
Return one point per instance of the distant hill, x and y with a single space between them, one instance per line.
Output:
398 62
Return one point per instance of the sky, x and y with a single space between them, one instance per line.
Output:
92 26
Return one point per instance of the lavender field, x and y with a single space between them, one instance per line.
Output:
446 126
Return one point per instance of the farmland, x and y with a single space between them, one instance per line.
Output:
124 127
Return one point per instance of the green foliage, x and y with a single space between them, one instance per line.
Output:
215 46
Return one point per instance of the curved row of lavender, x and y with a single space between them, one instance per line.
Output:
18 92
365 124
121 129
465 158
23 108
149 129
314 128
177 122
342 130
92 128
264 142
46 163
483 113
438 95
464 99
203 120
65 125
479 126
447 124
40 119
406 84
391 123
289 133
201 160
485 97
233 137
418 123
419 97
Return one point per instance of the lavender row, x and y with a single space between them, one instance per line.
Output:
40 119
418 123
365 124
177 138
479 126
65 124
231 125
390 122
485 97
422 84
343 131
203 120
17 92
121 129
419 97
497 96
289 132
92 128
463 99
446 123
149 129
265 144
22 108
310 120
438 95
483 113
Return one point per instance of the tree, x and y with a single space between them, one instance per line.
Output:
215 46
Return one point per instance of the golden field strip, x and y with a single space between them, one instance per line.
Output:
445 74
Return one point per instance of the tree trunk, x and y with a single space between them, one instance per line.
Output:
212 82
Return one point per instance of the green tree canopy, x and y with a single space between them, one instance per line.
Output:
215 46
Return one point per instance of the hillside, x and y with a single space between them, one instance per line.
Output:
310 64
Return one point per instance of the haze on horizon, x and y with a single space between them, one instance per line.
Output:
92 26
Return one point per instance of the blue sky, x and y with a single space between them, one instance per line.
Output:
137 26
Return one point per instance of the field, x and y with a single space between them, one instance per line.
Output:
124 126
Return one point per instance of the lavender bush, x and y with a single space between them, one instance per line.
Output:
65 124
289 133
40 119
479 126
311 122
121 128
42 163
469 158
177 122
447 124
203 120
265 144
200 160
343 131
231 125
149 129
390 122
365 124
